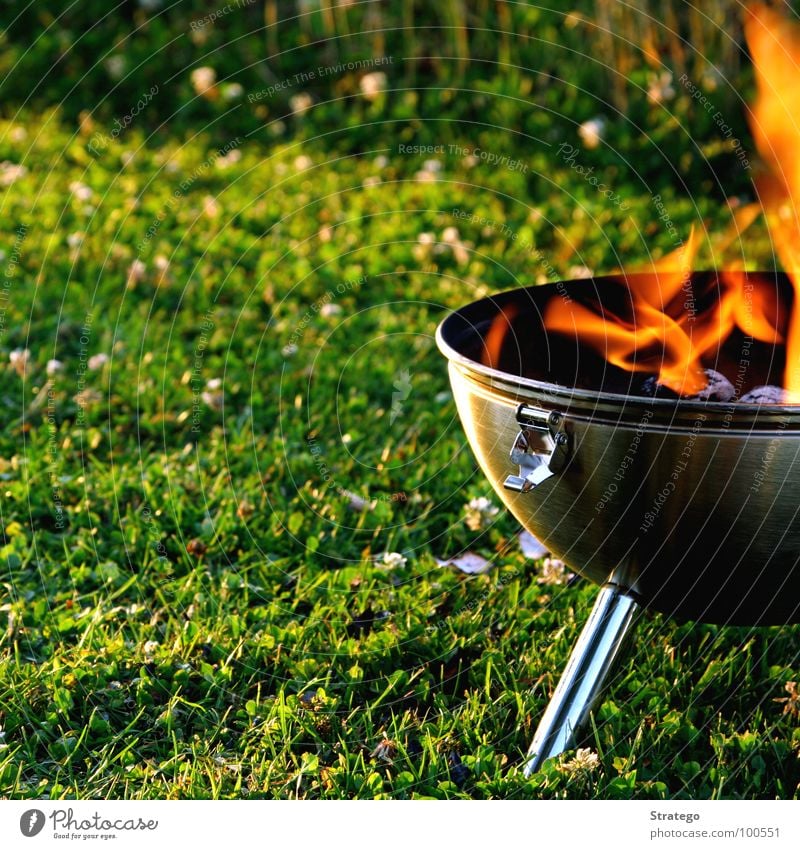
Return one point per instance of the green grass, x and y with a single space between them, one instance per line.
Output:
213 620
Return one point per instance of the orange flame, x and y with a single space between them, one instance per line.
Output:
774 44
750 306
665 338
653 340
496 336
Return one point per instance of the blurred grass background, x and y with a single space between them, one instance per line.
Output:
570 60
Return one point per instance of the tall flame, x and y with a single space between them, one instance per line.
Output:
774 44
661 333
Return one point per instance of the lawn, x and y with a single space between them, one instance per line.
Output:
224 406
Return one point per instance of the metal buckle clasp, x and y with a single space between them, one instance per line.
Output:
541 448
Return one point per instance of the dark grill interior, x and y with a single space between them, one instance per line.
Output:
530 350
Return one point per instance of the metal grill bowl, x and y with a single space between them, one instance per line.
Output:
686 507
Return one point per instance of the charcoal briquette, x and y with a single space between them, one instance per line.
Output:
653 389
718 388
764 395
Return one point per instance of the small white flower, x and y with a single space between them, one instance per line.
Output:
303 162
115 65
451 235
54 367
230 158
592 132
232 91
329 310
469 563
136 271
19 360
289 350
381 161
480 512
372 85
301 103
214 383
585 761
426 245
97 362
385 751
580 272
161 263
150 647
75 240
210 206
203 80
213 400
393 560
10 172
432 165
530 546
80 190
554 572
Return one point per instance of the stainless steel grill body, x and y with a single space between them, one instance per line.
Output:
693 506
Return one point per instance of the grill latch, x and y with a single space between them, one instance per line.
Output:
540 450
